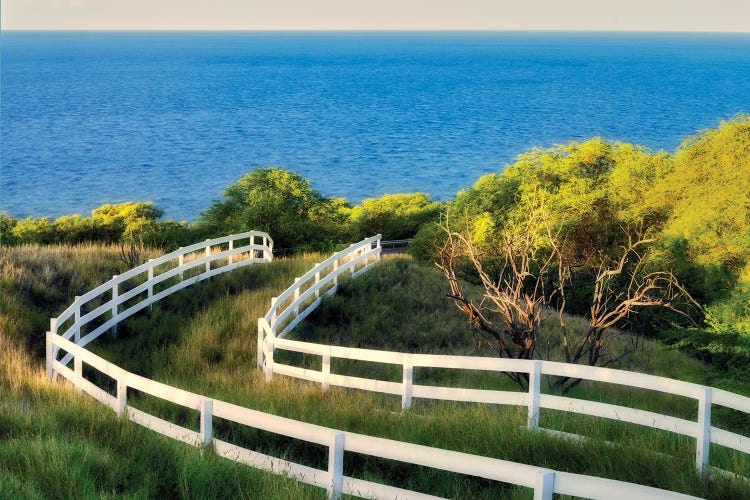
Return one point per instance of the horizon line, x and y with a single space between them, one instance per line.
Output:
371 30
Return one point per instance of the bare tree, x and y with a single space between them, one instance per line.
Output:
621 289
517 291
132 251
529 283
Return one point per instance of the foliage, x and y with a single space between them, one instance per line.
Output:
395 216
31 230
281 203
7 223
426 243
107 224
708 231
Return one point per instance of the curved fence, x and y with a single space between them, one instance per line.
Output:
293 305
102 308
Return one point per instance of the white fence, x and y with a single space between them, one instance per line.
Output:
105 306
291 306
109 304
296 302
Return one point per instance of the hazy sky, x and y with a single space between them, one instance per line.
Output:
651 15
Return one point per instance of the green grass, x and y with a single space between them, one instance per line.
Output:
57 444
204 339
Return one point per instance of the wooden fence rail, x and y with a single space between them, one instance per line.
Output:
545 482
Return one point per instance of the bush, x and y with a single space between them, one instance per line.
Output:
395 216
7 223
34 230
281 203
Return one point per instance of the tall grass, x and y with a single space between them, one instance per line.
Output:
204 339
57 444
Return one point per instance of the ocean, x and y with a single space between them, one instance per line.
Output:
101 117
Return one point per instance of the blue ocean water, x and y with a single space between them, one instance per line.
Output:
89 118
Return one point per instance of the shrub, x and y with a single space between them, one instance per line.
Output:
281 203
34 230
395 216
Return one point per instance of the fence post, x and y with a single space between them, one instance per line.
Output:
335 272
53 331
265 249
150 286
76 319
115 293
261 342
78 370
231 255
49 353
407 383
181 262
703 443
317 280
270 251
544 485
379 247
336 466
535 378
122 396
207 417
208 254
268 351
326 370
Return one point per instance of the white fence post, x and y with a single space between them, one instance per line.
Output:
50 356
535 378
115 293
336 466
265 249
78 370
208 254
150 285
76 320
544 485
181 262
326 370
379 247
703 443
335 272
207 418
53 331
268 351
231 255
407 384
122 396
317 280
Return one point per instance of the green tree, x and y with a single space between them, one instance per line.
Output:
708 230
34 230
281 203
7 223
395 216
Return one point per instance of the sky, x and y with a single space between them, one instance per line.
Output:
620 15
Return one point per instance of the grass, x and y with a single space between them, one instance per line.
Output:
57 444
203 340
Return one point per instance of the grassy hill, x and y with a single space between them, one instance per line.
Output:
203 339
